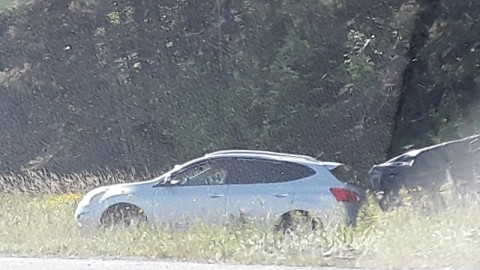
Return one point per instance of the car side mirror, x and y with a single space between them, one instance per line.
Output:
164 182
168 181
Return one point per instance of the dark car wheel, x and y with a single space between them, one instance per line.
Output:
125 215
299 221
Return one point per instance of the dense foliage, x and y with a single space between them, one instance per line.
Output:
442 90
93 84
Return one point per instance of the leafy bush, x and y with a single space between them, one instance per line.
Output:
148 84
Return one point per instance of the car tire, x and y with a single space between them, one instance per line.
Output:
298 221
124 215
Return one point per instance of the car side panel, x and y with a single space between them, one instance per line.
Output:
260 202
138 196
184 205
269 201
313 195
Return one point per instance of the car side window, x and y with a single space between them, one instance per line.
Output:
202 173
252 171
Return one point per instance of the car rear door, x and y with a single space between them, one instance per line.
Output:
262 189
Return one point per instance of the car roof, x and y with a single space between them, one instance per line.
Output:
273 156
258 153
416 152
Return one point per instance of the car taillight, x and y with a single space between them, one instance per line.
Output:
344 195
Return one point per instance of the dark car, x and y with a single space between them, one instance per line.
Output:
428 169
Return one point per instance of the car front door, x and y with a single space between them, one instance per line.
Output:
193 194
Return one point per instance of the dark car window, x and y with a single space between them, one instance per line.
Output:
345 175
252 171
240 171
204 173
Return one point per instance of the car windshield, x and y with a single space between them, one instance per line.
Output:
192 174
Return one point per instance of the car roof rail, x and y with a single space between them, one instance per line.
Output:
259 152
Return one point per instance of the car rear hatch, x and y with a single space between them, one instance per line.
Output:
350 195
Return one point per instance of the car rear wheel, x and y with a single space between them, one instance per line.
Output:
299 221
123 214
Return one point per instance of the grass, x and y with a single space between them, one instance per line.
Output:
36 218
7 4
43 181
413 239
43 225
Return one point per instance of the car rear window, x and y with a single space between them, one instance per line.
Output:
344 174
250 171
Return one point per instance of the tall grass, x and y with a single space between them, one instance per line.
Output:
414 237
44 225
36 218
47 182
7 4
407 237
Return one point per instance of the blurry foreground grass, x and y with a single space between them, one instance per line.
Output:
44 225
8 4
410 237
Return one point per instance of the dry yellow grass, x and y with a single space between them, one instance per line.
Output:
411 238
34 220
44 225
47 182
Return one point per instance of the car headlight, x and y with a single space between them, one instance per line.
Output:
79 216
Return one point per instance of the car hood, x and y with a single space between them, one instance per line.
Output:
119 189
131 187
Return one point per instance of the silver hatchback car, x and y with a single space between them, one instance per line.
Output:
226 186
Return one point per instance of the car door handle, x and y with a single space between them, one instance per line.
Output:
281 195
216 196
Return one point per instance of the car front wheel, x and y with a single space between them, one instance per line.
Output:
123 214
